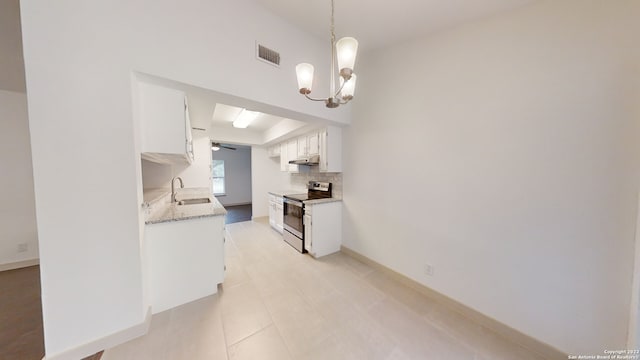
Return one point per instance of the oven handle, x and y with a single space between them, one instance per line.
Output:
293 202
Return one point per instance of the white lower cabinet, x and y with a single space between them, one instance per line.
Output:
276 216
279 217
186 260
272 211
323 228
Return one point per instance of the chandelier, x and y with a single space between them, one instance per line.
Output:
345 51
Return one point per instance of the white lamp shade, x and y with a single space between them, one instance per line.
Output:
245 118
304 72
347 49
349 87
215 147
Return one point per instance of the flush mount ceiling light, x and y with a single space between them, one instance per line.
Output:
244 118
345 50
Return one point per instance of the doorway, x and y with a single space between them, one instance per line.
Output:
231 179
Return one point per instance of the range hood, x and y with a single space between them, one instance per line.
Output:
306 160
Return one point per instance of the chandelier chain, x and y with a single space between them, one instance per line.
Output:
343 56
333 54
332 28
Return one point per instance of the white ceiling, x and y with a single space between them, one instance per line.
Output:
374 23
212 114
224 115
378 23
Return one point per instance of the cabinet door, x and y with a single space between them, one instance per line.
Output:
274 150
272 214
325 229
188 135
162 120
313 144
292 151
279 218
302 146
331 150
308 237
284 158
186 260
323 151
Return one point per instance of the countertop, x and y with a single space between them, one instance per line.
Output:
321 201
166 211
309 202
286 192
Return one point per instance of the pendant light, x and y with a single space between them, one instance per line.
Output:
344 51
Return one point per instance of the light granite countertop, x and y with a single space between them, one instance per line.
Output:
321 201
286 192
166 211
309 202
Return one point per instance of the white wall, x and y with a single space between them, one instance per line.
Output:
505 153
155 175
88 187
197 174
265 176
237 173
17 206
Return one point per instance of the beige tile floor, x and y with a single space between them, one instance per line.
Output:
278 304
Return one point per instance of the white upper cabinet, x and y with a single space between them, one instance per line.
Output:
308 145
165 126
274 150
302 146
284 159
313 144
331 149
188 134
327 143
292 147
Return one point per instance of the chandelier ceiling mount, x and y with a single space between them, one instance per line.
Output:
344 51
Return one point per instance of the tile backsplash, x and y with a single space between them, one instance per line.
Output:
300 180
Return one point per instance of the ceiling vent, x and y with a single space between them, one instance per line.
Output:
267 55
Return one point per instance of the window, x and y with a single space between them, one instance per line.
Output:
218 177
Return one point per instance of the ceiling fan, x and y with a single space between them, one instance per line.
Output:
216 146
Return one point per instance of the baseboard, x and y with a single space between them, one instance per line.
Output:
106 342
19 264
524 340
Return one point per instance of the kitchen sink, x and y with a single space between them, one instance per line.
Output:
194 201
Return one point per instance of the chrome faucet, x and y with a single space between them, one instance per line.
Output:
173 189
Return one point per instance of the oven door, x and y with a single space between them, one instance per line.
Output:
293 217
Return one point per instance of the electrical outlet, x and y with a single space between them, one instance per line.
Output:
428 269
23 247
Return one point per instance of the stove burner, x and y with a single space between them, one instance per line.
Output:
316 190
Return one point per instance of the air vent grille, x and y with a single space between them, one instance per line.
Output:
268 55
